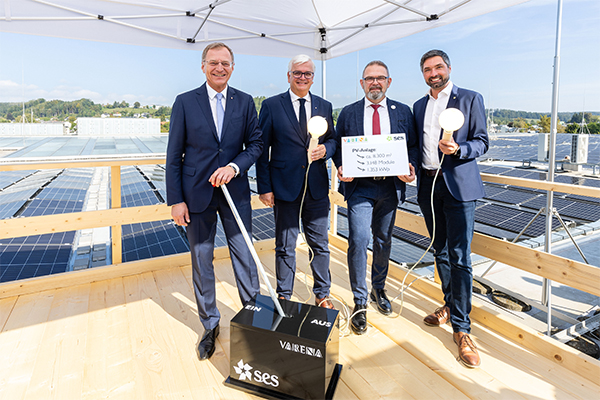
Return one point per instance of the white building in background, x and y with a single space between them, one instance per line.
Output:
118 126
28 129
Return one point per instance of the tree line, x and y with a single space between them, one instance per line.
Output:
59 110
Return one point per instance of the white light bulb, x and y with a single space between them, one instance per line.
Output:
317 126
450 120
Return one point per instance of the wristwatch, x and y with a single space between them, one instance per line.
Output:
236 169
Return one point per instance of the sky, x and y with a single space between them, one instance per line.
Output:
507 56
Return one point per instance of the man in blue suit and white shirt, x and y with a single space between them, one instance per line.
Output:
281 176
372 202
456 190
213 140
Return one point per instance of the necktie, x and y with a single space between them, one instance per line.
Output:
220 114
302 118
376 127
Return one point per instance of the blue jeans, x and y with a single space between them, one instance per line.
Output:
371 208
454 222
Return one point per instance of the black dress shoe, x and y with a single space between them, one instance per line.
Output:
359 320
383 304
206 348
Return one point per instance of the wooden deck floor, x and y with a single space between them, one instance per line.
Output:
134 338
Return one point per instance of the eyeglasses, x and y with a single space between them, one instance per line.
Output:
371 79
213 63
307 74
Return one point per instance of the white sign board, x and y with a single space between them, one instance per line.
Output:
378 155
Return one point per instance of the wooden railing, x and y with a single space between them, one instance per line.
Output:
569 272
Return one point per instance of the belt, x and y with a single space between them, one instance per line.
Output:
379 178
430 172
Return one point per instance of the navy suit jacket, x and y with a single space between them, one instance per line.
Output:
351 123
281 168
461 173
194 151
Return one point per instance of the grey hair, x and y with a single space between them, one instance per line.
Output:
435 53
300 59
377 62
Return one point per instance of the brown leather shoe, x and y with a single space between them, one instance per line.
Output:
324 302
439 317
467 351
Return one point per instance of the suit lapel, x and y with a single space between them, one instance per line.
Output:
204 104
453 100
419 111
360 118
286 101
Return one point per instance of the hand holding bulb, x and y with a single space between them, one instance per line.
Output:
316 126
451 119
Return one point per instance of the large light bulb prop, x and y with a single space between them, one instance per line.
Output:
316 126
451 119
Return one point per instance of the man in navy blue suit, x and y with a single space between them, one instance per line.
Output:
455 191
281 177
372 202
213 140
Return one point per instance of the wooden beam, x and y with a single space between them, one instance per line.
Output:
87 162
572 273
543 185
73 278
115 202
559 269
15 227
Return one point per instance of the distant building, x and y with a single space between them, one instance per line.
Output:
28 129
118 126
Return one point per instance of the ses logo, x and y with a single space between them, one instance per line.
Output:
244 371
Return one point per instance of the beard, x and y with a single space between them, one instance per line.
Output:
374 96
438 85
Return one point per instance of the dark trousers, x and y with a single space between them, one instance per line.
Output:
371 215
315 219
201 235
454 224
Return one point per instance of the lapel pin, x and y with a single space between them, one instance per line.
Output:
393 107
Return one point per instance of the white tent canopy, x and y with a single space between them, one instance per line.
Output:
322 29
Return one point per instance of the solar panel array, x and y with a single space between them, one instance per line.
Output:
502 213
44 193
518 147
148 239
28 256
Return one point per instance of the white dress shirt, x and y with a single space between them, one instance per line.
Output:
384 118
212 99
432 129
296 104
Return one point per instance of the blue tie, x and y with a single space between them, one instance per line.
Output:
220 114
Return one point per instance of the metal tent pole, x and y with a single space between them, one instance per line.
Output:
323 77
547 284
